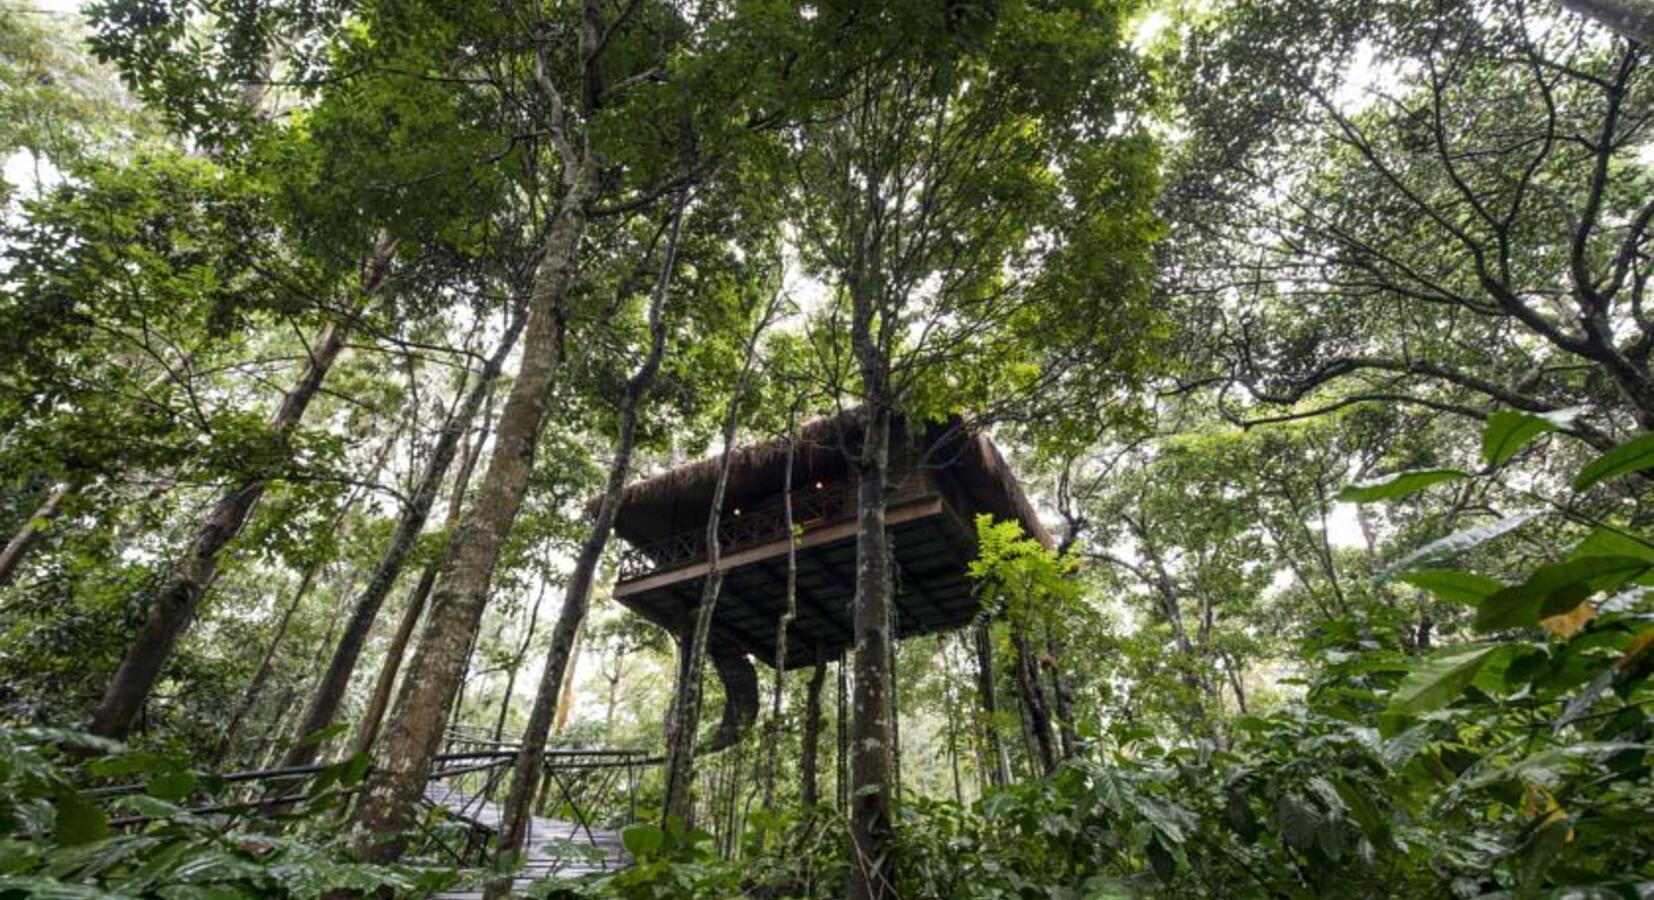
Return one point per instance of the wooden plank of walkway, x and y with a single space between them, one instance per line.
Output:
554 846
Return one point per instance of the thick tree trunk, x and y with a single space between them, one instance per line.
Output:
526 767
872 765
1031 691
174 607
324 705
18 547
1000 773
415 731
385 682
810 752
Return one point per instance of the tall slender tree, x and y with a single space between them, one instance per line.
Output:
964 224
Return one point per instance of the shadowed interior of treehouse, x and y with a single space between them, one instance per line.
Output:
941 478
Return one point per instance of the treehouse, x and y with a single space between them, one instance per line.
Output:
941 478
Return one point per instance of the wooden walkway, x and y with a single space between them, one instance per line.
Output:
555 847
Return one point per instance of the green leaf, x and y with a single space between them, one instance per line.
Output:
1611 542
1456 543
1440 679
78 821
1508 431
317 737
1554 589
1296 821
642 840
1452 585
171 785
1397 485
1631 456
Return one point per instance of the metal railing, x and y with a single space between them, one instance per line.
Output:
576 784
467 781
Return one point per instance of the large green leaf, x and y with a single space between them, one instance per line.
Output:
1632 456
1555 589
1508 431
1456 543
1440 679
171 785
1452 585
643 839
1612 542
1397 485
78 821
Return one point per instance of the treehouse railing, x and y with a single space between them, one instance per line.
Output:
814 505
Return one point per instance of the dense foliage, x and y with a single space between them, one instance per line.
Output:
1315 332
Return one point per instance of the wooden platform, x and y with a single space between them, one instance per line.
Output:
555 847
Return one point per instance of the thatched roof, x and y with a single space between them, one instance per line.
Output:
677 501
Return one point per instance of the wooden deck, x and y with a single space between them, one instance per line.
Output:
555 847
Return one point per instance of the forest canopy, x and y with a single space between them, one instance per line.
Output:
869 448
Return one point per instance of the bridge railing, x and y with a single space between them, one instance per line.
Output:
585 793
467 781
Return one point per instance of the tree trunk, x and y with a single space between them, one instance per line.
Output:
1235 682
1062 690
686 699
324 705
18 547
417 723
1000 773
383 684
526 767
841 758
612 701
1031 692
872 735
176 603
952 732
810 752
787 617
565 694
